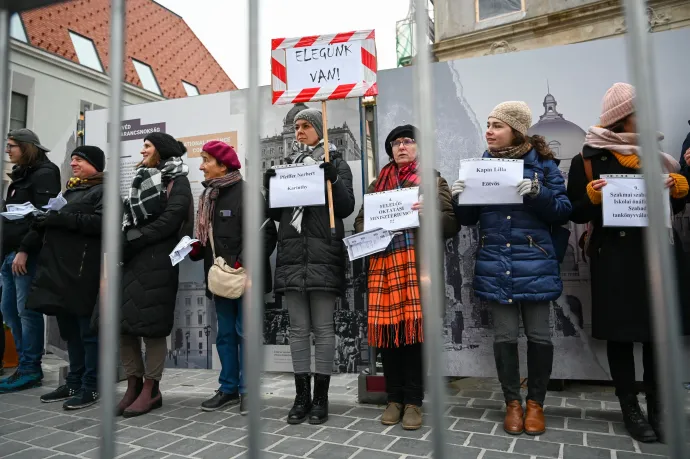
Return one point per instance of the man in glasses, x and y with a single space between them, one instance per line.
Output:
34 179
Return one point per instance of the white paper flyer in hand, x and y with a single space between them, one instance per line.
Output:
182 249
490 181
625 201
19 211
56 203
368 243
297 185
391 210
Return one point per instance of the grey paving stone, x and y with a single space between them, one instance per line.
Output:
141 421
120 450
463 452
602 396
275 413
220 451
15 413
76 426
474 426
583 452
502 455
491 404
619 428
494 416
468 413
336 408
211 417
610 442
11 447
454 438
334 435
129 434
167 424
145 453
237 421
459 401
411 446
602 415
563 411
490 442
264 455
33 453
340 421
298 430
588 404
80 446
367 425
36 416
186 446
267 440
197 429
554 422
588 425
628 455
13 427
28 435
54 439
294 446
157 440
477 394
562 436
366 413
272 425
182 413
373 441
372 454
329 451
226 435
553 401
537 448
653 448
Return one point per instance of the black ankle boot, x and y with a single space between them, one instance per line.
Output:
319 410
655 415
634 420
302 406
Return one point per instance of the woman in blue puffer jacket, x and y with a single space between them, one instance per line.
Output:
517 269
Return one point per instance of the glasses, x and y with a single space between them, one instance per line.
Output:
10 146
406 142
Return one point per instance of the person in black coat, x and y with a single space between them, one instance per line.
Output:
220 216
310 268
34 179
621 313
685 153
157 213
68 275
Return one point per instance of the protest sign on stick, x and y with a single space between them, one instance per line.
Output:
321 68
297 186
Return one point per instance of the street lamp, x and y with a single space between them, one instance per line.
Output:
207 331
186 335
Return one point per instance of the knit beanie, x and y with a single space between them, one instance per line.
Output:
92 155
515 114
313 117
617 104
223 153
166 145
406 130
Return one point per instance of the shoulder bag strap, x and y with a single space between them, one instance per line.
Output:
588 168
210 238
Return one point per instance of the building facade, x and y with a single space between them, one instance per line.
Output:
472 28
195 315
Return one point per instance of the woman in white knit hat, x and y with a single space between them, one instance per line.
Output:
517 267
620 297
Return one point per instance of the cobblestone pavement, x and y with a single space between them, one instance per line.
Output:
583 423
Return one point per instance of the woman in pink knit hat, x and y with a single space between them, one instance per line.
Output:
620 299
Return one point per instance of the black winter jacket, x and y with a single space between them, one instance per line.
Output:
314 260
149 280
35 184
69 264
227 231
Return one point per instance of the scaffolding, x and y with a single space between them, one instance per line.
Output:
405 33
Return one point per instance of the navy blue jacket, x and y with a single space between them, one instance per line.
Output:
516 259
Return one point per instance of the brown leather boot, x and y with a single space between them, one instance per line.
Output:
513 422
534 419
149 399
134 387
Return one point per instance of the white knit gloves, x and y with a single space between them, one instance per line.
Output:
527 187
457 188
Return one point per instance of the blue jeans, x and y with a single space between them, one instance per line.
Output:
27 326
82 347
230 345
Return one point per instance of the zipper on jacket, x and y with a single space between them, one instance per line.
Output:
83 257
306 262
483 237
534 244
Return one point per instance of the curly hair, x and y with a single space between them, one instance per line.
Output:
537 141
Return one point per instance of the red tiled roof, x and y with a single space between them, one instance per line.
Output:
155 36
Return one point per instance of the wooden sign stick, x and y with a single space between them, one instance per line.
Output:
327 158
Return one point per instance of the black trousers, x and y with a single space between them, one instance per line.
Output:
403 371
622 365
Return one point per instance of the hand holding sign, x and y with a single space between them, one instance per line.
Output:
391 210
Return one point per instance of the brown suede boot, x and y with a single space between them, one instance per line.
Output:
534 419
149 399
134 387
412 417
513 422
392 414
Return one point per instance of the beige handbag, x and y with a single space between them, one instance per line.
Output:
224 280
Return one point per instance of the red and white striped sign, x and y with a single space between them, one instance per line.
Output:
307 69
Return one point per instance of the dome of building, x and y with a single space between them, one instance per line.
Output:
564 137
290 117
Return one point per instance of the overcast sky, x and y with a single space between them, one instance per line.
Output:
222 27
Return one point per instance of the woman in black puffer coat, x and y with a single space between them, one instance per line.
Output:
157 214
310 268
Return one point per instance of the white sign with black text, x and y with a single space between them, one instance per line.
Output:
297 186
324 65
391 210
625 201
368 243
490 181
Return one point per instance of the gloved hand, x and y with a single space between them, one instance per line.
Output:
196 250
458 187
329 172
267 177
39 221
527 187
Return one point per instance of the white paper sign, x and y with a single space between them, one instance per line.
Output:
182 249
490 181
367 243
625 201
56 203
391 210
324 65
297 186
19 211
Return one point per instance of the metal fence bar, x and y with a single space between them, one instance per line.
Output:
253 241
112 234
431 275
660 266
4 78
